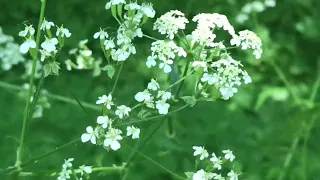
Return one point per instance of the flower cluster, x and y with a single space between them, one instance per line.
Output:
68 170
166 52
225 74
42 103
130 28
214 164
105 133
152 92
248 40
253 7
49 49
170 23
9 52
84 59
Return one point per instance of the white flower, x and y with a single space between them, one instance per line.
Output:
67 163
153 85
270 3
49 44
147 9
104 121
90 135
216 161
143 96
227 92
202 175
114 2
46 25
101 34
164 95
131 130
64 174
248 40
151 61
122 110
63 32
44 54
29 43
107 100
85 169
200 151
109 44
241 18
112 139
202 64
219 177
210 78
233 175
165 65
28 29
162 106
170 23
228 155
132 6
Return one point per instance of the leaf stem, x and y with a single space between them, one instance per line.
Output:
117 78
31 82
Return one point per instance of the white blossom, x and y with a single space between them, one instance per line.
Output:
114 2
90 135
28 30
46 25
151 61
143 96
104 121
232 175
106 100
216 161
101 34
153 85
147 9
28 44
162 106
109 44
228 155
122 110
200 151
202 175
133 131
164 95
49 44
85 169
63 32
112 139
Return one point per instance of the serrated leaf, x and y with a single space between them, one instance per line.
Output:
190 100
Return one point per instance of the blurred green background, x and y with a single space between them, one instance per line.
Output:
272 124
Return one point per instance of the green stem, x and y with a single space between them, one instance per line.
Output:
117 78
33 71
52 96
186 69
316 85
150 37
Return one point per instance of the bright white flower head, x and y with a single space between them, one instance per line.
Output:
162 106
143 96
27 30
147 9
109 44
232 175
101 34
49 44
164 95
46 25
153 85
112 139
151 61
104 121
122 110
202 175
216 161
107 100
114 2
170 23
132 6
270 3
133 131
89 136
200 151
67 163
228 155
165 51
85 170
64 174
63 32
28 44
248 40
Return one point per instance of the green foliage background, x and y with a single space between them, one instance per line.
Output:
272 136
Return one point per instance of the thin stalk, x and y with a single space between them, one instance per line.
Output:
150 37
31 82
316 86
117 78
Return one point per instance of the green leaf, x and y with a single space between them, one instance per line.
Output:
110 70
190 100
47 70
55 68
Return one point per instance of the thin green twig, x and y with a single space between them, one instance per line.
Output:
117 78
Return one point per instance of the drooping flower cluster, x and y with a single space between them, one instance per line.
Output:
166 52
105 132
248 40
48 48
153 97
84 59
213 164
253 7
130 28
42 102
225 75
9 52
170 23
67 170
